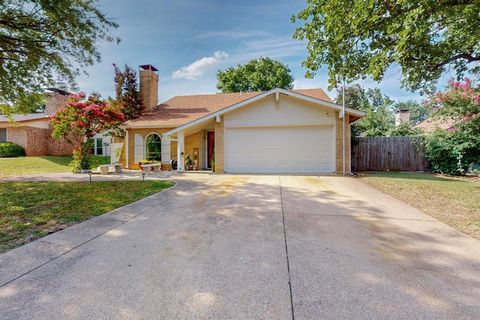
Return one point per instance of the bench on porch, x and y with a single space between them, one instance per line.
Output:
150 167
108 168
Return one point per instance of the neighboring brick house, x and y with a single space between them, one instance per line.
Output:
291 131
33 131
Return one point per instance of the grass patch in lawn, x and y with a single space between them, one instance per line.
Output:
452 200
47 164
30 210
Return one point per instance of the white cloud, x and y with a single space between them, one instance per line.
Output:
196 69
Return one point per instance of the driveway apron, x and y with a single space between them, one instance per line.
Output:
213 251
250 247
356 253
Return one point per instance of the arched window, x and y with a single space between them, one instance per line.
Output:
153 145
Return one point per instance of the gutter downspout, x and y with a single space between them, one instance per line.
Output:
343 127
126 150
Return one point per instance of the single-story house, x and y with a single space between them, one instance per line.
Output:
33 131
277 131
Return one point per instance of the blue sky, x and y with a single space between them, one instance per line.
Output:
189 40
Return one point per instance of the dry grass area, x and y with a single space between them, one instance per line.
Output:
452 200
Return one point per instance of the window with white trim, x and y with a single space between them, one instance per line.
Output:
99 146
153 145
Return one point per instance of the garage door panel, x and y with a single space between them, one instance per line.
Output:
282 149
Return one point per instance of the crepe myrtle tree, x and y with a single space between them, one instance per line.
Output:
457 149
79 121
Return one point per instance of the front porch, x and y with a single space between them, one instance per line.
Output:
196 148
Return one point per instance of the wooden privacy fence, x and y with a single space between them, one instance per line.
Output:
388 154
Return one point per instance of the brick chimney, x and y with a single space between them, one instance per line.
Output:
149 86
55 99
402 116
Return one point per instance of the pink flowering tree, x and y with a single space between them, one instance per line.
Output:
456 150
79 121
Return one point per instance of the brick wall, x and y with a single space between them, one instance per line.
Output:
37 141
54 101
57 147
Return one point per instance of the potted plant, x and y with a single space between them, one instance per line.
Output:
188 162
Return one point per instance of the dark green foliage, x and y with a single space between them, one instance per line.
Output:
404 129
41 41
379 118
11 150
457 149
358 39
260 74
452 152
418 111
127 99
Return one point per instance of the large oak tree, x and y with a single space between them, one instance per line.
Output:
42 41
358 38
260 74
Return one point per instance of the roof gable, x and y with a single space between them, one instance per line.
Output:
276 91
180 110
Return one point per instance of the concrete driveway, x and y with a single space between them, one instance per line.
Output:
249 247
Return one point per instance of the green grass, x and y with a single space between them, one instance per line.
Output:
452 200
29 210
47 164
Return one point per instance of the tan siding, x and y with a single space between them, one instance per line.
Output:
17 135
219 148
339 144
192 141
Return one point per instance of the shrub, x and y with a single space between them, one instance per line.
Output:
451 152
456 150
11 150
405 129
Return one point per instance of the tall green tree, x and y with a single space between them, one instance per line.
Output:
358 38
127 93
418 111
42 41
379 117
260 74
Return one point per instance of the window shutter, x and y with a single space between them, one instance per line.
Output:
139 148
166 150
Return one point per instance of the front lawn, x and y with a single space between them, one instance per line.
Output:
452 200
47 164
30 210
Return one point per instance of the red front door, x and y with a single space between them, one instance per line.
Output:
210 148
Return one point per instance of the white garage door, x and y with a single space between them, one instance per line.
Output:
280 150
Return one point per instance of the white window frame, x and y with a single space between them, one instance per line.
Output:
145 151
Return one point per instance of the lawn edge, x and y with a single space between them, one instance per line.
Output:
358 178
39 252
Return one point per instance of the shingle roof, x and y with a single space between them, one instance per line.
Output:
180 110
23 117
429 125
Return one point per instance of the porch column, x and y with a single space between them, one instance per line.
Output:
180 152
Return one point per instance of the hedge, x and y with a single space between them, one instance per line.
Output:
11 150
